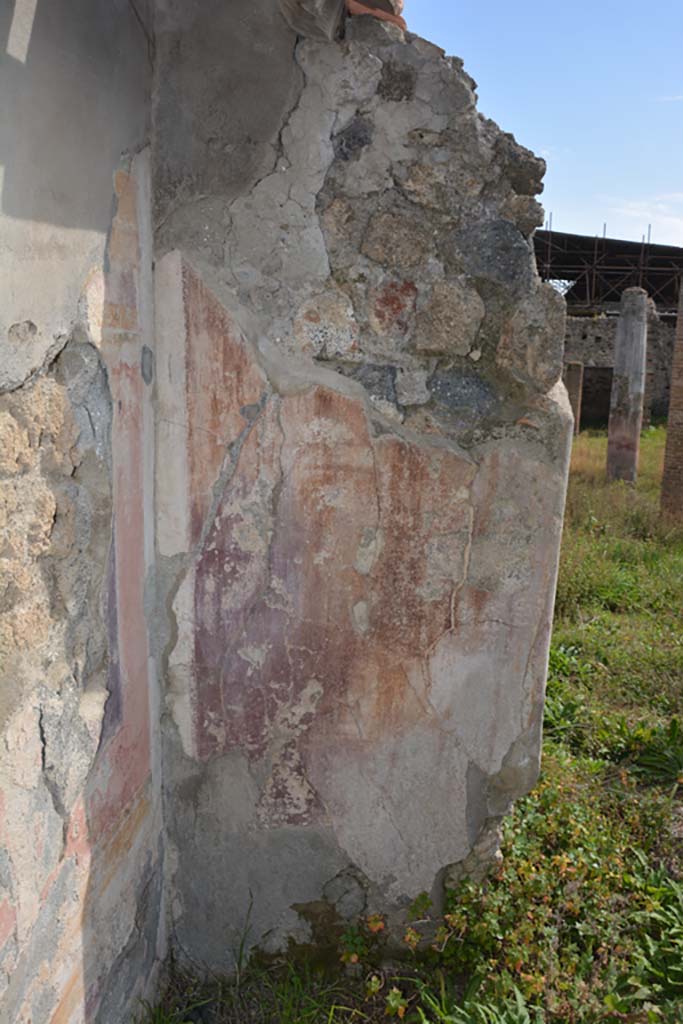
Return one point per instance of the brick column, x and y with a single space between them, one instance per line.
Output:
672 480
628 387
573 381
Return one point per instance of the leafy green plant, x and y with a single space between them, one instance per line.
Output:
160 1015
615 739
661 758
355 945
442 1009
556 921
660 959
396 1003
420 907
565 712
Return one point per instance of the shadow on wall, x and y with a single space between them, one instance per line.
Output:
80 859
60 131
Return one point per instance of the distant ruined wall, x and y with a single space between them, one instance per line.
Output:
590 340
361 459
80 828
283 453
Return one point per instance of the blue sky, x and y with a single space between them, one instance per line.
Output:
595 87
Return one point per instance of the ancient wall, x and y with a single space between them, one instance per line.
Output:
361 460
590 340
80 873
283 452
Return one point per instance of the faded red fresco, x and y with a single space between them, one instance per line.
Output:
343 577
222 383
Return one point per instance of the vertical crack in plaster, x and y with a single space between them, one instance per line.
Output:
50 783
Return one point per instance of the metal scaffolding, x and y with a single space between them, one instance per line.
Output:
598 270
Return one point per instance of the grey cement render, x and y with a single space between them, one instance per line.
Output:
314 19
224 77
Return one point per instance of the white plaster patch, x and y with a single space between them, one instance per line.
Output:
369 550
406 794
254 656
180 681
361 617
477 677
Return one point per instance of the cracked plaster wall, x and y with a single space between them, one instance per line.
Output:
362 449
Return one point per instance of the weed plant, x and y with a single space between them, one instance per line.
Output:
583 921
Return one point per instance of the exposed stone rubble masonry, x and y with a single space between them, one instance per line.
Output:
55 521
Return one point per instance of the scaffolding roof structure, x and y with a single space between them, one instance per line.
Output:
600 269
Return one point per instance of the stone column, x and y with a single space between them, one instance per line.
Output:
573 381
628 387
672 480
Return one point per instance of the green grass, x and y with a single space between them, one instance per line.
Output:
618 641
583 921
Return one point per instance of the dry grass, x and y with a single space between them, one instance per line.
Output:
589 457
619 510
